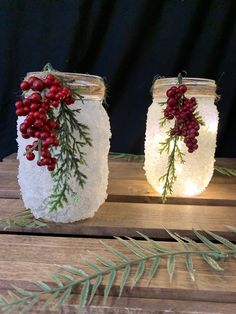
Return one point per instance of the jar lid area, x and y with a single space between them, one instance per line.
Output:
195 86
90 86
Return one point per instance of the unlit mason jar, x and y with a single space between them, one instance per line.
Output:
194 175
36 182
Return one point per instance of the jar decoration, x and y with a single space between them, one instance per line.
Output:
63 135
181 136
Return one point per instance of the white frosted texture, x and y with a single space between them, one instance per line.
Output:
36 182
195 174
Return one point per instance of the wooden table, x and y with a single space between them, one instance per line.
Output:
30 254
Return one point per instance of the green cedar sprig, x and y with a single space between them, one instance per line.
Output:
174 156
132 267
23 219
70 156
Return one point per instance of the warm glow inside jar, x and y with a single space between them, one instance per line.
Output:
194 175
36 183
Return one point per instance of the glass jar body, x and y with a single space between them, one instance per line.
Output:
195 173
36 183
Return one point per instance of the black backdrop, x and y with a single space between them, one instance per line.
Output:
127 42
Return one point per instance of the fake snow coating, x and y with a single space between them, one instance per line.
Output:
36 182
195 174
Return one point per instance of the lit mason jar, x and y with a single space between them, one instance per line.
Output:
36 183
194 175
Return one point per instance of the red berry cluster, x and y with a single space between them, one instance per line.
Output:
182 109
47 93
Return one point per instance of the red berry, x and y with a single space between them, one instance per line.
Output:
46 128
26 110
43 117
56 142
30 156
39 163
23 128
183 88
36 114
60 96
44 135
50 77
25 85
70 100
45 154
36 98
20 112
50 96
25 136
51 123
42 111
178 95
49 141
28 147
19 104
37 134
170 93
55 103
28 122
26 102
34 107
171 102
30 132
65 91
38 123
31 80
37 85
48 82
54 89
51 167
56 83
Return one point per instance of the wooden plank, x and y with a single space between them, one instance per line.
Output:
129 170
125 305
126 218
27 258
139 191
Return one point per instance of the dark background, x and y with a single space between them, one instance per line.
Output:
127 42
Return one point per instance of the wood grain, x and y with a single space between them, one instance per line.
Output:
42 253
125 305
133 205
126 218
127 183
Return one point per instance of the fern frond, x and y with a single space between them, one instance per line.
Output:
104 270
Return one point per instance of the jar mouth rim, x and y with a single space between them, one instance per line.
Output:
191 80
68 74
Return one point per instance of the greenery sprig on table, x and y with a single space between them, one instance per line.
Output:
140 255
23 219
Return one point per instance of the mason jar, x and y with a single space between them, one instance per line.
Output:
36 183
192 176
